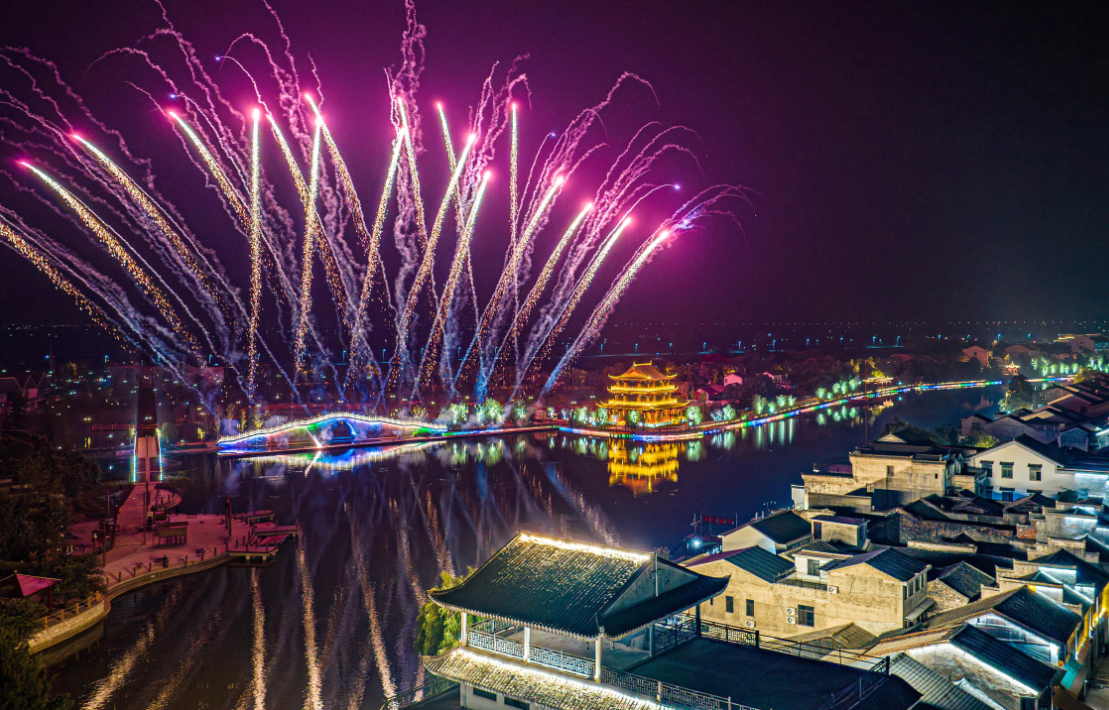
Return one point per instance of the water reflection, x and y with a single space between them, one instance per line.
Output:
332 622
642 467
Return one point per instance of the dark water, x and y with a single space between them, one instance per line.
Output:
332 621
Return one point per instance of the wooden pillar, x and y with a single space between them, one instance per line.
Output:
527 644
462 635
597 661
697 616
651 640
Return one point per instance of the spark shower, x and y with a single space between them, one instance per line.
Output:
157 286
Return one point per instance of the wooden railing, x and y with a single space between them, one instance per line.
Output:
68 612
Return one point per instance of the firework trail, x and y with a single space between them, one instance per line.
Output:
255 255
443 314
362 356
310 228
123 256
203 314
583 283
424 273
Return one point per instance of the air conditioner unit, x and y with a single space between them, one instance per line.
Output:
791 611
791 620
749 624
833 590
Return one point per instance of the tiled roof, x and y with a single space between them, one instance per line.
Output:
642 371
935 690
816 546
783 527
1023 607
1006 658
764 565
965 579
841 519
888 561
529 684
1085 573
568 587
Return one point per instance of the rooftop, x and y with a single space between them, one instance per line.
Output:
764 565
1006 658
782 527
1023 607
937 692
765 679
575 588
965 579
888 561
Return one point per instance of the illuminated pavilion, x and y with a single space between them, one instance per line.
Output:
645 390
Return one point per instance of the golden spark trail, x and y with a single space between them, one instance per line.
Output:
451 160
214 168
63 284
413 175
514 212
358 343
583 284
310 228
493 307
330 264
544 276
139 196
255 255
294 169
116 249
427 263
461 253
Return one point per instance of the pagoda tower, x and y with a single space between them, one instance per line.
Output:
645 390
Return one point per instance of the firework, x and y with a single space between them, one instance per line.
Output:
425 329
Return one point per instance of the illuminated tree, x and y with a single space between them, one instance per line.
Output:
694 415
759 404
633 417
729 412
600 417
494 410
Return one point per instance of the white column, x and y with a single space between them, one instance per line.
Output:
527 644
597 662
462 636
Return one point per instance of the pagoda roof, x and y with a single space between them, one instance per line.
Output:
578 589
643 371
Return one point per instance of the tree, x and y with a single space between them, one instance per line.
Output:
24 685
438 629
1018 395
633 417
694 415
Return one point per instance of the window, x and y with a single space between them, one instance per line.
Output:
514 703
1006 469
486 694
814 568
816 530
805 616
889 471
988 465
729 605
750 607
1035 472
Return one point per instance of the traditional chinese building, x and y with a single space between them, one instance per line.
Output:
640 468
566 626
646 391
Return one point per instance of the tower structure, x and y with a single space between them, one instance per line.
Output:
649 393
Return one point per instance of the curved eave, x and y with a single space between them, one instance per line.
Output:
700 601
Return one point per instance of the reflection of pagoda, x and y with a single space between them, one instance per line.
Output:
640 468
645 390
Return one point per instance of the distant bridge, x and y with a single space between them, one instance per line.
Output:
320 429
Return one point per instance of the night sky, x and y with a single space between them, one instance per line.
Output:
907 160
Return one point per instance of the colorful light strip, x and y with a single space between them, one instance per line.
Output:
305 423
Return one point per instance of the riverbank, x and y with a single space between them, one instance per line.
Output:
140 557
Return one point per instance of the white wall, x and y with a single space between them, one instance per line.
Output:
1052 480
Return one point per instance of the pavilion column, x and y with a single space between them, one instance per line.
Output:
597 661
462 636
651 640
527 644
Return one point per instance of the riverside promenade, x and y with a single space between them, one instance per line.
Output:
140 557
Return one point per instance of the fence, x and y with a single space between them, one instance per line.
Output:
59 615
730 634
415 695
668 693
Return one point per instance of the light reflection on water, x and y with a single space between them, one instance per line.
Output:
331 623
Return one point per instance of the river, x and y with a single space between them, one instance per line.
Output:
331 622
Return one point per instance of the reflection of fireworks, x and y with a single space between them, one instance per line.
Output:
225 143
